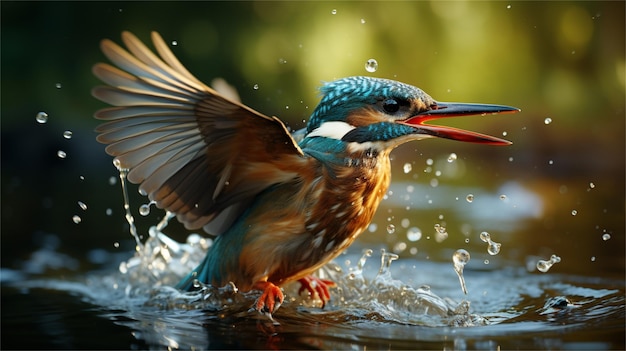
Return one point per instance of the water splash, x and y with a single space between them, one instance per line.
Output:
128 215
161 262
460 259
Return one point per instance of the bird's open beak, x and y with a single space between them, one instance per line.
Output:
450 109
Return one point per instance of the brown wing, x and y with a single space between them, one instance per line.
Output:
194 152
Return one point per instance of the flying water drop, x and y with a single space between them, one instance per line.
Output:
460 259
441 233
606 236
413 234
144 209
371 65
82 205
452 157
41 117
67 134
391 229
76 219
493 247
469 198
61 154
407 168
544 266
548 120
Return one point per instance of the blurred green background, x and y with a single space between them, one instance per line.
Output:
559 60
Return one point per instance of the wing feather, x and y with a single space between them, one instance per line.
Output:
193 151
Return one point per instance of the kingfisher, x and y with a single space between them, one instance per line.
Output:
279 204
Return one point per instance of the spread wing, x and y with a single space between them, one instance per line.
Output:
193 151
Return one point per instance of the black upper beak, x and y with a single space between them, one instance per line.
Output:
449 109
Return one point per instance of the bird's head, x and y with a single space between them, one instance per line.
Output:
373 111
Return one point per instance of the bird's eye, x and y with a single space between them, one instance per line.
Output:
391 106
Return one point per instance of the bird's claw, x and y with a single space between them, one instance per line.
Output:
317 286
271 299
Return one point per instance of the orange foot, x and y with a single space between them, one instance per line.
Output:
317 286
271 298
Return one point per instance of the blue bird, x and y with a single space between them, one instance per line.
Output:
280 205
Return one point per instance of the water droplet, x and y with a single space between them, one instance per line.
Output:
41 117
391 229
460 259
544 266
503 197
371 65
405 222
441 233
76 219
574 212
484 236
551 162
592 185
606 236
109 212
452 157
508 6
414 234
548 120
117 163
116 244
505 133
407 168
334 11
58 85
174 43
67 134
144 209
430 161
255 87
486 261
282 61
469 198
511 159
61 154
82 205
399 247
112 180
362 21
493 248
593 258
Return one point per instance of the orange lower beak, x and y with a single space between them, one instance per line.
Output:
448 109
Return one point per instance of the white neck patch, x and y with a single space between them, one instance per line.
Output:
332 129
